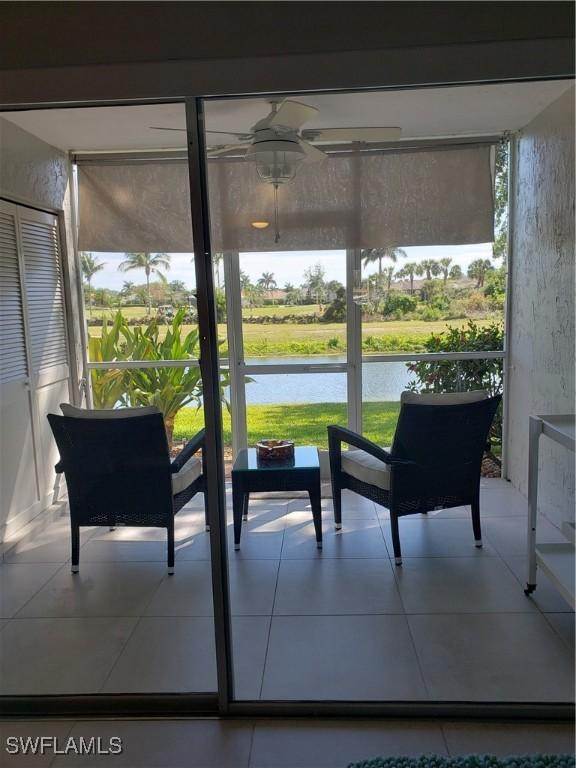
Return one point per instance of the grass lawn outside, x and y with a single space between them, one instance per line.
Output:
292 339
304 423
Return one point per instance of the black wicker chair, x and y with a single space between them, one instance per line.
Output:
118 471
434 461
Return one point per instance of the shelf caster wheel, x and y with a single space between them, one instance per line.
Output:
397 561
338 526
236 547
529 589
318 545
171 570
75 569
478 543
245 518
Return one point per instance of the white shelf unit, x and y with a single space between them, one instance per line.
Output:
556 560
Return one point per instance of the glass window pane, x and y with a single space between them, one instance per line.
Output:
297 407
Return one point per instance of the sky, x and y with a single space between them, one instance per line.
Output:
287 267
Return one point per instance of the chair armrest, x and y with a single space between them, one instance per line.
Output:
338 435
191 447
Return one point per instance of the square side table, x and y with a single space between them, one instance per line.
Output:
249 475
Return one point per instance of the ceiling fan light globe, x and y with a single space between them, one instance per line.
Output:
276 161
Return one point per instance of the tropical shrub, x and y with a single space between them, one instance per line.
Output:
463 375
167 388
397 304
336 311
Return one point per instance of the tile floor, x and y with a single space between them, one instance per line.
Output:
281 744
452 623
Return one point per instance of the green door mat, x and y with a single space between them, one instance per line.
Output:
469 761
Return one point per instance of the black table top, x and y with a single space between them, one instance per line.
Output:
305 457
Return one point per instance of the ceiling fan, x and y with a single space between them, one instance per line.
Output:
277 145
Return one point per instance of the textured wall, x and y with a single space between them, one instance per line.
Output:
31 170
542 300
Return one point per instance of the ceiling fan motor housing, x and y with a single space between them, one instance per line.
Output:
276 156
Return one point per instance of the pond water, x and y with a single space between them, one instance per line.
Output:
380 381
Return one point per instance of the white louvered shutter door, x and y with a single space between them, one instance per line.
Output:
44 290
13 363
19 487
45 313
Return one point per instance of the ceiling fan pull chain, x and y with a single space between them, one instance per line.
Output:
276 215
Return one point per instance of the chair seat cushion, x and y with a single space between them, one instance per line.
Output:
366 468
190 472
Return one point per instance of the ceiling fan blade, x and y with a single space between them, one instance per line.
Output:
292 114
313 154
245 135
226 149
388 133
160 128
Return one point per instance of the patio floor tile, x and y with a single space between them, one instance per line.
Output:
341 657
433 537
99 589
20 582
188 592
509 738
168 654
60 656
252 587
459 585
46 542
508 535
563 623
172 744
357 538
333 745
255 545
545 596
500 657
336 586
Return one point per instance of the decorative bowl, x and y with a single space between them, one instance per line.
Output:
275 450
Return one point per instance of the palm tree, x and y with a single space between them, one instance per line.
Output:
217 259
388 274
267 281
90 266
445 267
428 267
370 255
408 271
456 272
244 280
477 270
149 263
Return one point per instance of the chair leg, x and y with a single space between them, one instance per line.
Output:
171 547
75 548
476 523
337 500
395 538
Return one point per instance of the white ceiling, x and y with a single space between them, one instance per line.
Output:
437 112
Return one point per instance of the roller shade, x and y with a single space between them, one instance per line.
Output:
440 196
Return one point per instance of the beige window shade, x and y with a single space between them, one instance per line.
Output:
423 197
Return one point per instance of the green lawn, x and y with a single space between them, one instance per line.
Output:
329 338
281 310
305 424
